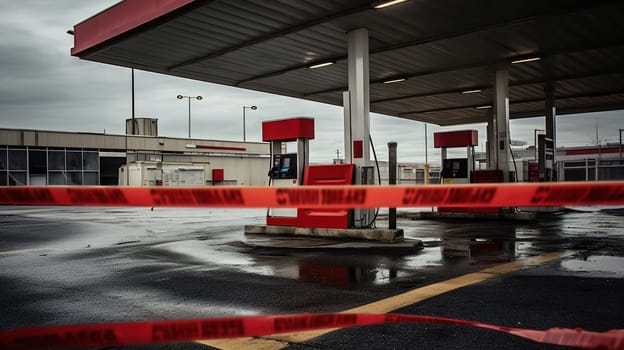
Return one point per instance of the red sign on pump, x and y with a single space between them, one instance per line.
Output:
288 129
459 138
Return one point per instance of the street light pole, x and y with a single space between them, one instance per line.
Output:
198 98
133 131
189 113
621 144
253 108
426 167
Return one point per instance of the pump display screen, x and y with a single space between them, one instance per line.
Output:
455 168
284 166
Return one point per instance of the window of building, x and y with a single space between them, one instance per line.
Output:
56 178
3 159
90 160
17 178
578 174
590 162
17 159
56 160
611 173
37 162
91 178
74 160
74 178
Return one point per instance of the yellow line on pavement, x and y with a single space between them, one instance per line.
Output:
245 343
390 304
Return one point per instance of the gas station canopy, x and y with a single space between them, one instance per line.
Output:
445 50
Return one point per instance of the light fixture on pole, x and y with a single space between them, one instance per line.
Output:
253 108
321 64
198 98
525 60
385 4
475 91
394 80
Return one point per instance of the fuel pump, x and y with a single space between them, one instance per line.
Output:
287 169
292 169
545 158
456 170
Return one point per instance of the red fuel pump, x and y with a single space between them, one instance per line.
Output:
461 170
292 169
287 168
456 170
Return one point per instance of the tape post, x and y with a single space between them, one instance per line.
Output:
158 332
335 197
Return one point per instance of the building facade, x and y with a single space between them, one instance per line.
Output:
37 157
586 163
591 163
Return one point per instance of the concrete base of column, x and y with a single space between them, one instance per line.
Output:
375 234
523 216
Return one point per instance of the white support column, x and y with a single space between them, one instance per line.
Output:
501 110
550 112
359 97
491 141
303 146
471 161
357 114
348 139
276 148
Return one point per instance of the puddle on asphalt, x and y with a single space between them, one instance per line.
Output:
612 266
480 250
344 276
447 253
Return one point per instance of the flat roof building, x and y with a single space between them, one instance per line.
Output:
40 157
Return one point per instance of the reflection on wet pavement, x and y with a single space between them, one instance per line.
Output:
480 250
605 266
342 276
213 239
466 245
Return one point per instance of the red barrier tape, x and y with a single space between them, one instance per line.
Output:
480 195
123 334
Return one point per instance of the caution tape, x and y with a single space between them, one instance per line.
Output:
124 334
331 197
324 196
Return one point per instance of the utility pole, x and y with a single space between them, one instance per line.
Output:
621 145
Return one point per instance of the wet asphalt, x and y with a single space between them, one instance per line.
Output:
69 265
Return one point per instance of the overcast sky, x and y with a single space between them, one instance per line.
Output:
43 87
